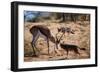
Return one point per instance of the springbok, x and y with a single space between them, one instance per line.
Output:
41 31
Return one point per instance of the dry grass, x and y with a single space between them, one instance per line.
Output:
81 38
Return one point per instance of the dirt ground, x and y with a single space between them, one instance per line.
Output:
81 38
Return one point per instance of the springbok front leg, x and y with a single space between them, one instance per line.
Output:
48 45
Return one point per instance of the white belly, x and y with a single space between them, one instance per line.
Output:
41 35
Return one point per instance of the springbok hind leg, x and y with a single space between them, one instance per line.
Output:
34 53
33 47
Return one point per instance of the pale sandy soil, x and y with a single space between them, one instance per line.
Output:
81 38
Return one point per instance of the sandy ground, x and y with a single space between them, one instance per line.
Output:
81 38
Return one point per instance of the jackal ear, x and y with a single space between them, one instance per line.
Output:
63 42
58 29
